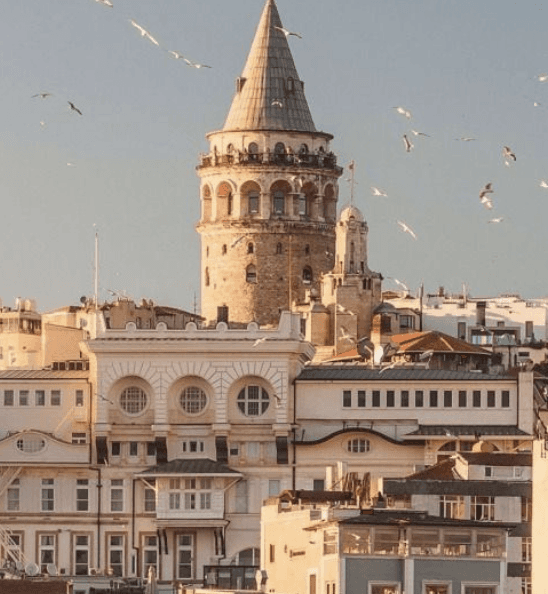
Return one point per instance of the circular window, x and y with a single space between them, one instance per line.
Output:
30 444
253 401
133 400
193 400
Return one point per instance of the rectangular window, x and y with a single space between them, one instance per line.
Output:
190 501
347 399
419 398
115 448
482 508
46 550
150 497
457 543
274 487
488 471
491 398
451 506
361 398
133 448
447 399
23 397
461 330
117 495
505 399
12 549
13 496
433 398
82 495
241 497
81 554
405 398
150 554
462 398
376 398
8 398
436 588
529 329
55 398
39 398
116 555
79 438
185 556
318 485
47 495
390 398
476 398
385 588
205 500
272 553
526 509
151 448
526 549
526 585
79 398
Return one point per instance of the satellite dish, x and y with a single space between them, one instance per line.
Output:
51 569
32 569
83 299
19 565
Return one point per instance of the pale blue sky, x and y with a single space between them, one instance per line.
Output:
462 67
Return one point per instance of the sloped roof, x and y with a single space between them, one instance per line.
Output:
443 471
264 80
498 458
433 340
189 466
458 430
353 372
43 374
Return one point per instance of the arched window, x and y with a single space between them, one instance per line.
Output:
279 202
303 149
229 203
279 149
193 400
358 445
251 274
253 202
253 150
307 275
247 557
250 248
253 401
279 248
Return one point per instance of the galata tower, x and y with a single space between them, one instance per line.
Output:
269 189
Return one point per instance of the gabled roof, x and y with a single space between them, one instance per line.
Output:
190 466
269 76
419 342
442 471
498 458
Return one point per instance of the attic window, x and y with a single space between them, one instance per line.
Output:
290 84
240 81
31 444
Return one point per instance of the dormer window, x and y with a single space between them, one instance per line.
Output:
290 84
240 81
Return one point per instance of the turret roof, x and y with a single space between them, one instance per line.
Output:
270 95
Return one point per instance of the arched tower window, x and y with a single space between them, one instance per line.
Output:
224 200
206 203
307 275
279 202
253 150
250 193
250 248
279 191
307 249
279 152
329 204
251 274
223 250
206 278
279 248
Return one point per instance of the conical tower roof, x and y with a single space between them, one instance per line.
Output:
270 95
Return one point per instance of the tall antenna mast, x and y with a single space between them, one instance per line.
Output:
351 168
96 269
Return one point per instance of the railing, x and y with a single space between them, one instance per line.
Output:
230 577
312 160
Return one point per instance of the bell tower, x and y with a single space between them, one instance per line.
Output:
268 189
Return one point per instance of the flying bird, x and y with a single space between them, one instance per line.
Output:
542 77
487 202
417 133
465 138
74 108
508 153
406 229
487 189
277 103
237 241
344 310
377 192
389 366
408 144
345 335
260 340
288 33
543 183
105 3
144 33
176 55
195 64
497 220
402 285
43 95
403 112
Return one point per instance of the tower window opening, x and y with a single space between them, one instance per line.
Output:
206 280
279 248
290 84
253 202
229 203
303 205
223 249
307 275
253 150
279 202
307 249
251 274
250 248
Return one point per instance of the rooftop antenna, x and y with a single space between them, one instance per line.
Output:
96 267
351 168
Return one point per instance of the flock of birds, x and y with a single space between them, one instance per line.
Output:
485 194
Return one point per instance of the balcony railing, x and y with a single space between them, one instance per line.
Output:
312 160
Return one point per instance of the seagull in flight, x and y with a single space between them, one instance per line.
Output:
144 33
176 55
487 202
406 229
403 112
260 340
287 33
497 220
105 3
195 64
277 103
487 189
378 192
508 153
465 138
542 77
402 285
543 183
408 144
345 335
417 133
43 95
74 108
